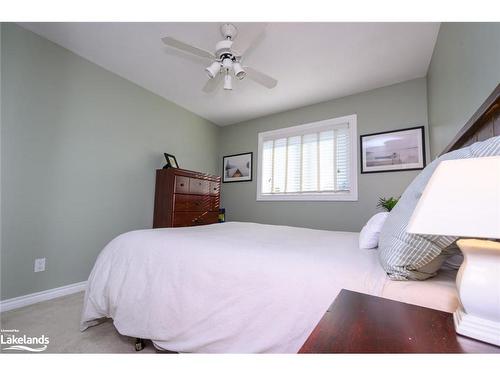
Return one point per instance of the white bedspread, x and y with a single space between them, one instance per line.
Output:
439 292
233 287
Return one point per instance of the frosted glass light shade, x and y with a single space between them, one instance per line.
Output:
228 85
213 69
462 198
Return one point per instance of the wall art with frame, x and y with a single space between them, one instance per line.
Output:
237 168
396 150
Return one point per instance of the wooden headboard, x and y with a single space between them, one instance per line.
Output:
484 124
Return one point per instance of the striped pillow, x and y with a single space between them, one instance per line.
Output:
407 256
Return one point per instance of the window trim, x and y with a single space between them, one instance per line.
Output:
352 195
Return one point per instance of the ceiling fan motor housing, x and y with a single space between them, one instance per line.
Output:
223 48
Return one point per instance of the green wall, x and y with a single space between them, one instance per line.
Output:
394 107
79 149
464 70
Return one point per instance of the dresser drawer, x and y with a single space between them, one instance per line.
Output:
187 219
184 202
181 185
199 186
214 188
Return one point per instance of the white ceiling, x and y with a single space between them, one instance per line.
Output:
313 62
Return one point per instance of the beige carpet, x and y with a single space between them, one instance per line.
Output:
59 320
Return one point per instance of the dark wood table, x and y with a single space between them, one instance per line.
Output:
360 323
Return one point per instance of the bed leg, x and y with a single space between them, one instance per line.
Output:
139 344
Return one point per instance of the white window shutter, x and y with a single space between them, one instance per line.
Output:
313 159
267 167
342 161
293 175
310 162
279 166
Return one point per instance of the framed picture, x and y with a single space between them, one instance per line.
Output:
237 168
398 150
171 161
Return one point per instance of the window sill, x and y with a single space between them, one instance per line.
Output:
308 197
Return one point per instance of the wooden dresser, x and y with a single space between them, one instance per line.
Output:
185 198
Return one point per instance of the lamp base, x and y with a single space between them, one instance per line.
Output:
476 328
478 315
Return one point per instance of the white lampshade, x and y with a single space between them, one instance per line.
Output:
213 69
462 199
228 82
238 70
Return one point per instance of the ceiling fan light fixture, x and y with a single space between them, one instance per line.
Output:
227 63
213 69
239 72
228 82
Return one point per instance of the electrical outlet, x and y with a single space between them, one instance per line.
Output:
39 265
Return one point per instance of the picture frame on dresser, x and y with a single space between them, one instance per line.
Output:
237 167
171 161
393 151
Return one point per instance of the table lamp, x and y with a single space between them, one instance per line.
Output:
462 198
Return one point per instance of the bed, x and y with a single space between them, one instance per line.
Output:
247 287
258 288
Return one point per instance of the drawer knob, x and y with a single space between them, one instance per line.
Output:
182 184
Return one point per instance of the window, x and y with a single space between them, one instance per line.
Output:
316 161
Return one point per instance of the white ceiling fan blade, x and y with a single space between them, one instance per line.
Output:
212 83
244 44
260 77
171 42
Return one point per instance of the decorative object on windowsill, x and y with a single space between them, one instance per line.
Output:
397 150
387 204
222 215
171 161
462 199
237 168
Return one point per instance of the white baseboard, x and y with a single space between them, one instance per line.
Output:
30 299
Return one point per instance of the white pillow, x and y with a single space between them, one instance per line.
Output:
368 237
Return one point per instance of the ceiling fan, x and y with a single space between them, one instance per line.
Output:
227 59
